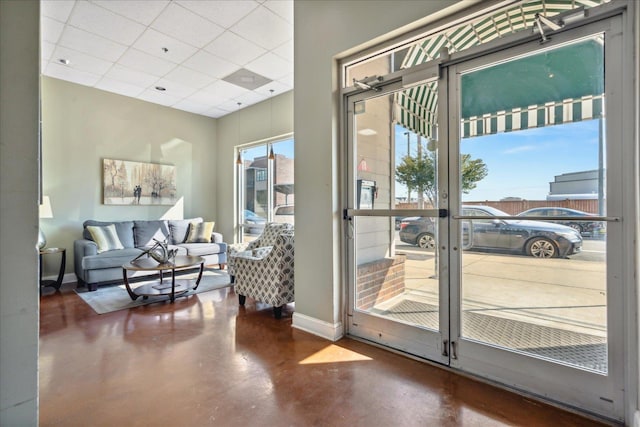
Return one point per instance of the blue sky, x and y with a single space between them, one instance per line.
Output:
521 164
284 147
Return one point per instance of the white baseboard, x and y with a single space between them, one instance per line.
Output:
330 331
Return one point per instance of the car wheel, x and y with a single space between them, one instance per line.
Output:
540 247
576 227
426 241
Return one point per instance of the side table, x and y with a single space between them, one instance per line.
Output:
63 261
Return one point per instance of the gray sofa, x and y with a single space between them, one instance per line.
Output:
93 268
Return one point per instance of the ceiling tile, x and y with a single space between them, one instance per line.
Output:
278 88
223 12
46 49
184 25
231 106
287 80
100 21
158 97
57 9
132 77
91 44
142 11
175 89
152 42
207 97
67 73
250 98
215 113
285 51
119 87
226 90
81 61
234 48
194 78
210 64
270 66
50 29
284 8
141 61
192 107
265 28
117 46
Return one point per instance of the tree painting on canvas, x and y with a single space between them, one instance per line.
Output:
136 183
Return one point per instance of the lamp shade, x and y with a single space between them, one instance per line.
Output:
45 208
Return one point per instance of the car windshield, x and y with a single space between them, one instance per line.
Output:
488 209
250 215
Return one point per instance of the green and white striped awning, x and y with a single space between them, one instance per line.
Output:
551 113
416 107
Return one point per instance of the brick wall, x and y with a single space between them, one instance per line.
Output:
379 281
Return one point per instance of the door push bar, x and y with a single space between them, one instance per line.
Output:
542 218
348 214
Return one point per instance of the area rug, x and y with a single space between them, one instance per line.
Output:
113 298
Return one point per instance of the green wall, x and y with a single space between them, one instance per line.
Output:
344 27
81 126
19 303
251 124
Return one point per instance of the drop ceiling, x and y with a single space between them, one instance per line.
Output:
207 55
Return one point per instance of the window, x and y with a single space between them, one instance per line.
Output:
265 187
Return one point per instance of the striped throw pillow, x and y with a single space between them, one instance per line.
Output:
105 237
200 232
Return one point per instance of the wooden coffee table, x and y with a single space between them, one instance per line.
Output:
160 286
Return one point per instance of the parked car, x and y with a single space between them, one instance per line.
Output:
535 238
284 213
419 231
584 227
253 222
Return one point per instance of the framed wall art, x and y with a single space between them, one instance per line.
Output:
137 183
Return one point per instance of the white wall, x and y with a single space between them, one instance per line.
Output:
19 303
81 126
324 31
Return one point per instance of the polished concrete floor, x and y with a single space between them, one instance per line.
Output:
205 361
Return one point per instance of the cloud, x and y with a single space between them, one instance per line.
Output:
520 149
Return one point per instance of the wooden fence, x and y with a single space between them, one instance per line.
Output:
514 207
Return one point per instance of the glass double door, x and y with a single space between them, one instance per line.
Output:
480 229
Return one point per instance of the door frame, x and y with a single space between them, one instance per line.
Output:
626 350
572 386
419 342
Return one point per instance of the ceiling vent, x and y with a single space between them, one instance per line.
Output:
246 79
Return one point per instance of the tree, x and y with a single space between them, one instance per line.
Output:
419 172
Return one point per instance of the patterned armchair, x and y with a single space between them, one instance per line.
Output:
255 248
268 277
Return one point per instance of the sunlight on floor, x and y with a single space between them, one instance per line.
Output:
334 354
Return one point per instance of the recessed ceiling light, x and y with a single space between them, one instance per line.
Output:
160 88
64 61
